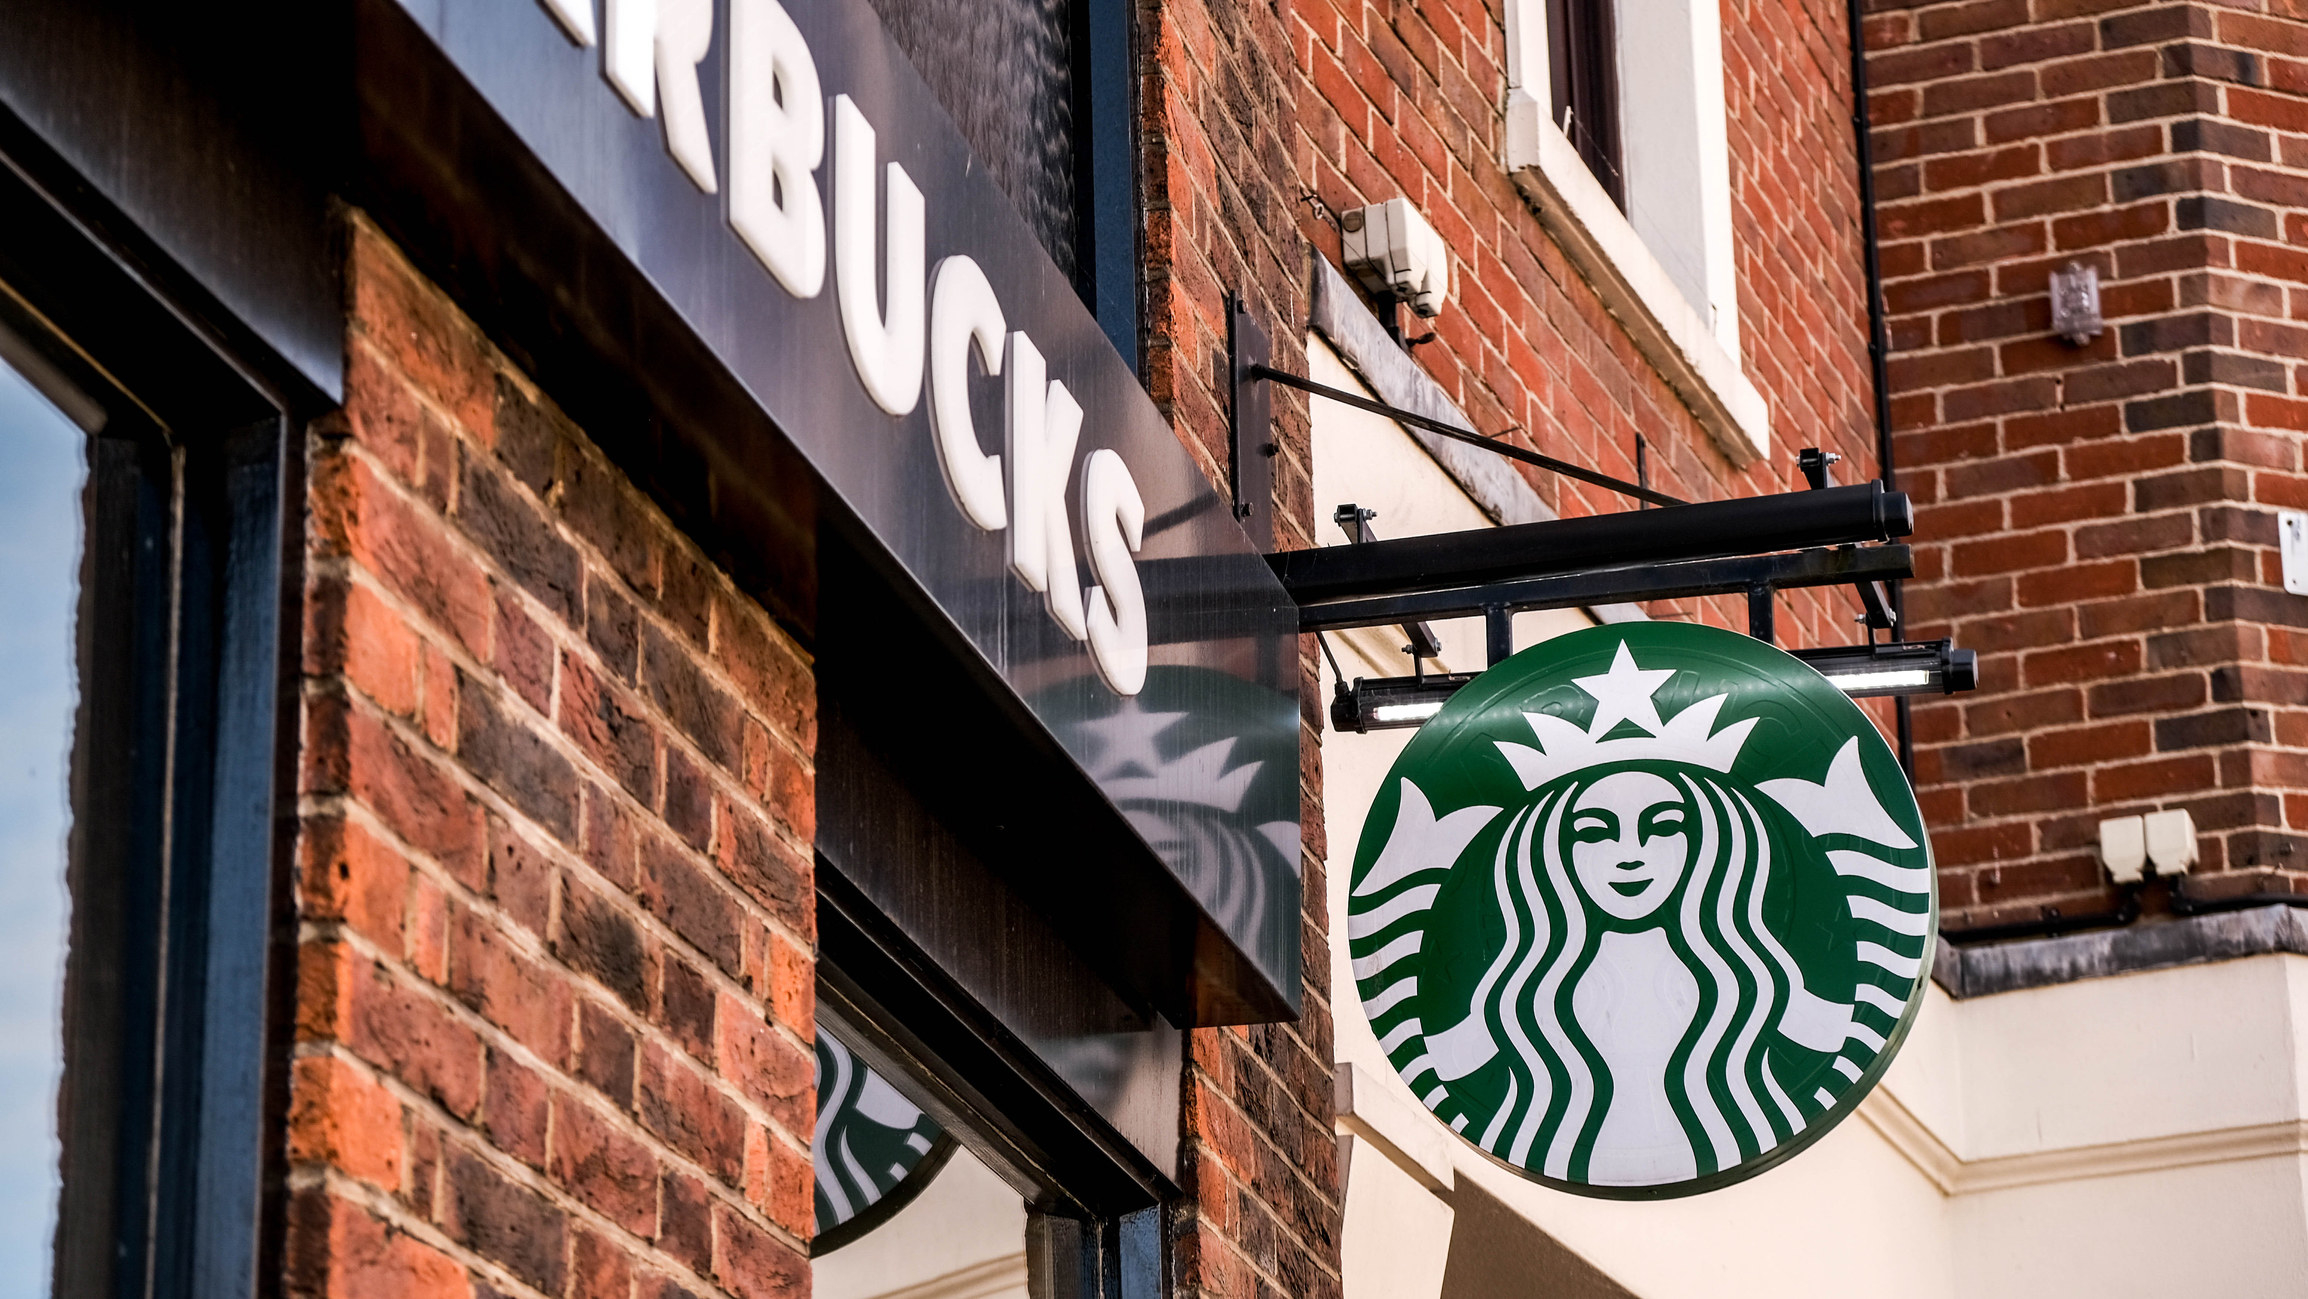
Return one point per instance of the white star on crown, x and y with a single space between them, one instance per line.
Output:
1624 694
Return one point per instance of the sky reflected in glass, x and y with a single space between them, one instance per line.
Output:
43 465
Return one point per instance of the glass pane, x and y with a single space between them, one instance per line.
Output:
46 468
903 1209
1005 70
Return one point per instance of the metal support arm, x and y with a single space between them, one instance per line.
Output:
1496 445
1745 526
1725 576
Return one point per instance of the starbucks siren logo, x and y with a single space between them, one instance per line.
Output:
1644 910
874 1150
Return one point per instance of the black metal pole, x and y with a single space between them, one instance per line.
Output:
1498 633
1746 525
1878 334
1497 446
1585 588
1759 621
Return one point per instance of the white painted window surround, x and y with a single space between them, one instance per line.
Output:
1665 266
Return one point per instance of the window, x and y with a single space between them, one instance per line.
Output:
1041 90
1616 131
903 1208
920 1193
1584 74
1677 161
46 452
140 681
947 1163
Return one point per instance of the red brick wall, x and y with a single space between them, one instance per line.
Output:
1258 1154
555 979
1408 98
2100 520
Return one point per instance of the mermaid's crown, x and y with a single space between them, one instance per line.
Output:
1624 695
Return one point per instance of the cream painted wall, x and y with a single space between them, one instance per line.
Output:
2137 1136
1385 1207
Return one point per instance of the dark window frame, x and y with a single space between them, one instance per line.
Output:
1108 224
1096 1230
1583 65
176 999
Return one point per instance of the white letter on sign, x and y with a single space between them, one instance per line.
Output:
575 17
1061 429
1115 519
885 346
963 311
654 48
1043 423
1025 395
629 60
776 139
684 34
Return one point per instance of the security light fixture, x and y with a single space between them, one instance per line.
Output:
1896 668
1397 255
2162 842
2124 848
1389 703
2171 840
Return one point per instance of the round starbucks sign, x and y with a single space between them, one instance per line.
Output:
1644 910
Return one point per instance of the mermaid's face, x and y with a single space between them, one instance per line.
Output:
1630 842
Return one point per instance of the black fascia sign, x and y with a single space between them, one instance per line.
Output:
785 180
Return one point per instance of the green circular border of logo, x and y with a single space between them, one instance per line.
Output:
1760 680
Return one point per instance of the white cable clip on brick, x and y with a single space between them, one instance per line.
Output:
2292 545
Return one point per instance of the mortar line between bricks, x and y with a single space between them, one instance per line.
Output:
550 624
459 1134
1290 1032
348 807
595 562
1326 1129
447 643
1234 1247
1250 1264
1267 1205
1299 1046
337 1185
382 1204
709 655
1324 1125
347 569
339 687
584 764
495 1038
584 984
338 1050
557 737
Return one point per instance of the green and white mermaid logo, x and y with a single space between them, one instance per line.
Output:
1645 910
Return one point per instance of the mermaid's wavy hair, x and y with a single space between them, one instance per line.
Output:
1720 1079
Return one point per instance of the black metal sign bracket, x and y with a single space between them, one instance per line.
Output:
1250 416
1498 601
1874 601
1729 547
1248 352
